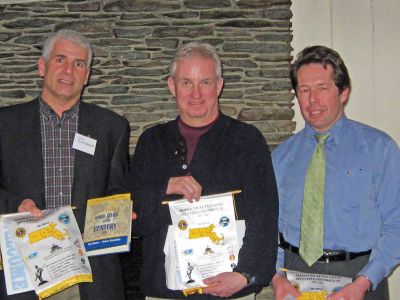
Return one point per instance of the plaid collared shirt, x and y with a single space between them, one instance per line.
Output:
58 156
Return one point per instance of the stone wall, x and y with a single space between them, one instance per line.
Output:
134 41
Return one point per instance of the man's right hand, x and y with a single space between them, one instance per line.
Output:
28 205
283 288
186 186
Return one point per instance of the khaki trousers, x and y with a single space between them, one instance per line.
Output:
71 293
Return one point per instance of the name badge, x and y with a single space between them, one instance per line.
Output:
84 144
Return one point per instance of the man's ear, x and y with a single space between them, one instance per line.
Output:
344 95
220 85
87 77
171 86
41 67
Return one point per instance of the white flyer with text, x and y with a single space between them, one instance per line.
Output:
203 240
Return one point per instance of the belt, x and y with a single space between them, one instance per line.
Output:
327 255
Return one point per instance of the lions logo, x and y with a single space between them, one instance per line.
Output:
182 225
20 232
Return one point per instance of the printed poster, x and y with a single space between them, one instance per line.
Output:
52 249
316 286
203 240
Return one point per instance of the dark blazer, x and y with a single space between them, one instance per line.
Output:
21 176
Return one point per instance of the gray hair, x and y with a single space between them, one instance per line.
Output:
70 35
197 49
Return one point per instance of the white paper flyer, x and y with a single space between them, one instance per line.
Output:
51 247
202 242
316 286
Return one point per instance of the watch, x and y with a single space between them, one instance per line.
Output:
250 279
371 284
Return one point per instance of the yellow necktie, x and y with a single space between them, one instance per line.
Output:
312 216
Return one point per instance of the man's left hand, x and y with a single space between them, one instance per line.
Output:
352 291
28 205
225 284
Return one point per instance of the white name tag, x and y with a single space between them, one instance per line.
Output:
84 144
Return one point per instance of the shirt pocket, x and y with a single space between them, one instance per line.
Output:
353 188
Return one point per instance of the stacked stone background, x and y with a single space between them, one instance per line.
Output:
134 41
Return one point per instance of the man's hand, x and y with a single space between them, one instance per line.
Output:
283 288
134 215
352 291
28 205
225 284
186 186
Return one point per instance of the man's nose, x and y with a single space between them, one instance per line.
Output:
196 91
314 96
69 67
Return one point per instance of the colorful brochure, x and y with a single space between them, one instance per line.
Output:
108 225
51 247
202 242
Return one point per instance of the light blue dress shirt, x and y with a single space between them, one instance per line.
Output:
362 192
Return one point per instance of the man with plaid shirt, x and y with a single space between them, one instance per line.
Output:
58 150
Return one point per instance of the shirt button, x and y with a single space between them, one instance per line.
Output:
61 193
184 166
60 170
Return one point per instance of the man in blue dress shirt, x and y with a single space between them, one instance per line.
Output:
361 218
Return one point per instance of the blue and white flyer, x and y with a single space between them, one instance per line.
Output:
15 272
